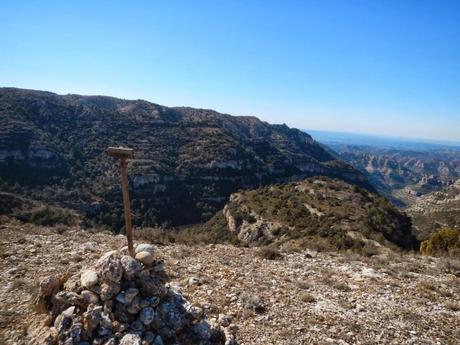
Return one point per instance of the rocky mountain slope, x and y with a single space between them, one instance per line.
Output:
436 210
317 210
188 161
403 175
301 298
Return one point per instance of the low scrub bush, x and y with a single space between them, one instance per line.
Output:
46 216
269 253
252 302
445 242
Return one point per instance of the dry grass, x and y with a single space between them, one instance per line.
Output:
269 253
252 302
342 286
307 297
304 284
452 306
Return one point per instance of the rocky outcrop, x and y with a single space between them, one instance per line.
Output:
124 301
343 215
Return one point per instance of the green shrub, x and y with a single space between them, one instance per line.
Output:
46 216
445 242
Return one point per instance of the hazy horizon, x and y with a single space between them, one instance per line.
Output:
381 68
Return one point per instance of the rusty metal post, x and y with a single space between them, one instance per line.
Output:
123 154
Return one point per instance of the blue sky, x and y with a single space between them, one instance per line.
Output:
386 67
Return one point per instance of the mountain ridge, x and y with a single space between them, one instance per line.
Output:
188 161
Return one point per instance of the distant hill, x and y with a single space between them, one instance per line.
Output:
403 175
317 211
188 161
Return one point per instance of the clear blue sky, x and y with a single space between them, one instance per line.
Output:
387 67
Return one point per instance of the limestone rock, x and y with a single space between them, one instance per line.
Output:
144 247
145 257
109 267
89 278
131 266
131 339
147 315
90 297
109 290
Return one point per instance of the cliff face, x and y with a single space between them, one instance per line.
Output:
188 161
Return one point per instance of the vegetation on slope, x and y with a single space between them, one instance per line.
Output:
28 211
319 210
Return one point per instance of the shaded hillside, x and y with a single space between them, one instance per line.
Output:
436 210
188 161
316 210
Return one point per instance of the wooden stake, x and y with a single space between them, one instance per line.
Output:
123 154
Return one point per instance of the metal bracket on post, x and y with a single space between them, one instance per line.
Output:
124 153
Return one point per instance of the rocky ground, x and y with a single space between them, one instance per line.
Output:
300 298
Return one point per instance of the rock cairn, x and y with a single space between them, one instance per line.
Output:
124 301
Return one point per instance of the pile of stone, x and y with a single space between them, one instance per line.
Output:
125 301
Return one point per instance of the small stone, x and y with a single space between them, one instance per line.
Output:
130 294
121 298
109 267
111 341
131 266
149 337
144 247
150 286
90 297
154 301
224 320
144 302
145 257
131 339
137 326
89 278
64 320
158 340
135 306
92 317
69 312
104 332
109 290
194 281
147 315
105 321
